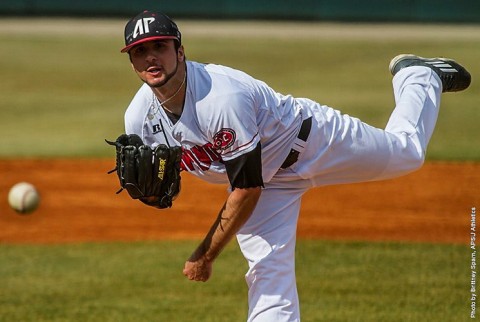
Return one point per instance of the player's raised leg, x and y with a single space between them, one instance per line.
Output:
343 149
417 85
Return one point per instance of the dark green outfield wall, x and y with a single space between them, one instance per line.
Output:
332 10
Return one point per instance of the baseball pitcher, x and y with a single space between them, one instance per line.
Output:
225 126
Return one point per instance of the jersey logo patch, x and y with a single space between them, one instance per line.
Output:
224 139
201 156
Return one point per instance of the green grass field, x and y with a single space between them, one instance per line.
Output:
337 281
64 89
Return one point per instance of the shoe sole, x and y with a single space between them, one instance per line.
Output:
397 59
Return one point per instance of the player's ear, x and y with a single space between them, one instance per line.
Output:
181 54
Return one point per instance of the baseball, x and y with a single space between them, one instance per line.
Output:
23 198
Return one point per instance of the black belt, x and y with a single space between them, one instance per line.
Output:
292 157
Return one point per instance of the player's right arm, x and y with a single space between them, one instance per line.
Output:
245 177
233 215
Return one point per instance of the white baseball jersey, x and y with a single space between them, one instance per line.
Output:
226 114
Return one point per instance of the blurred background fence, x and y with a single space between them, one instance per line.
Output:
431 11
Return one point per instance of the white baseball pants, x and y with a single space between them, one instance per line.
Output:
340 149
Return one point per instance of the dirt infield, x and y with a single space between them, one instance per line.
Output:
79 204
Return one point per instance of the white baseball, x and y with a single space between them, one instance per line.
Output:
23 198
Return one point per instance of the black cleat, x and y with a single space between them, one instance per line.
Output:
454 77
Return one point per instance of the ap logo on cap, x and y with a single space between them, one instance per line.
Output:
147 26
142 26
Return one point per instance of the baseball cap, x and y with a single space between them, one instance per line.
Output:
147 26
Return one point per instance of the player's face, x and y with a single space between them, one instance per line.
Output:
156 62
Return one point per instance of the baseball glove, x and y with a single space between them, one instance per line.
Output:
150 175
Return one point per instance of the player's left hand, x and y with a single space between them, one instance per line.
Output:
150 175
198 270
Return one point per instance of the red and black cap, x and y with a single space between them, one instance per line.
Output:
147 26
